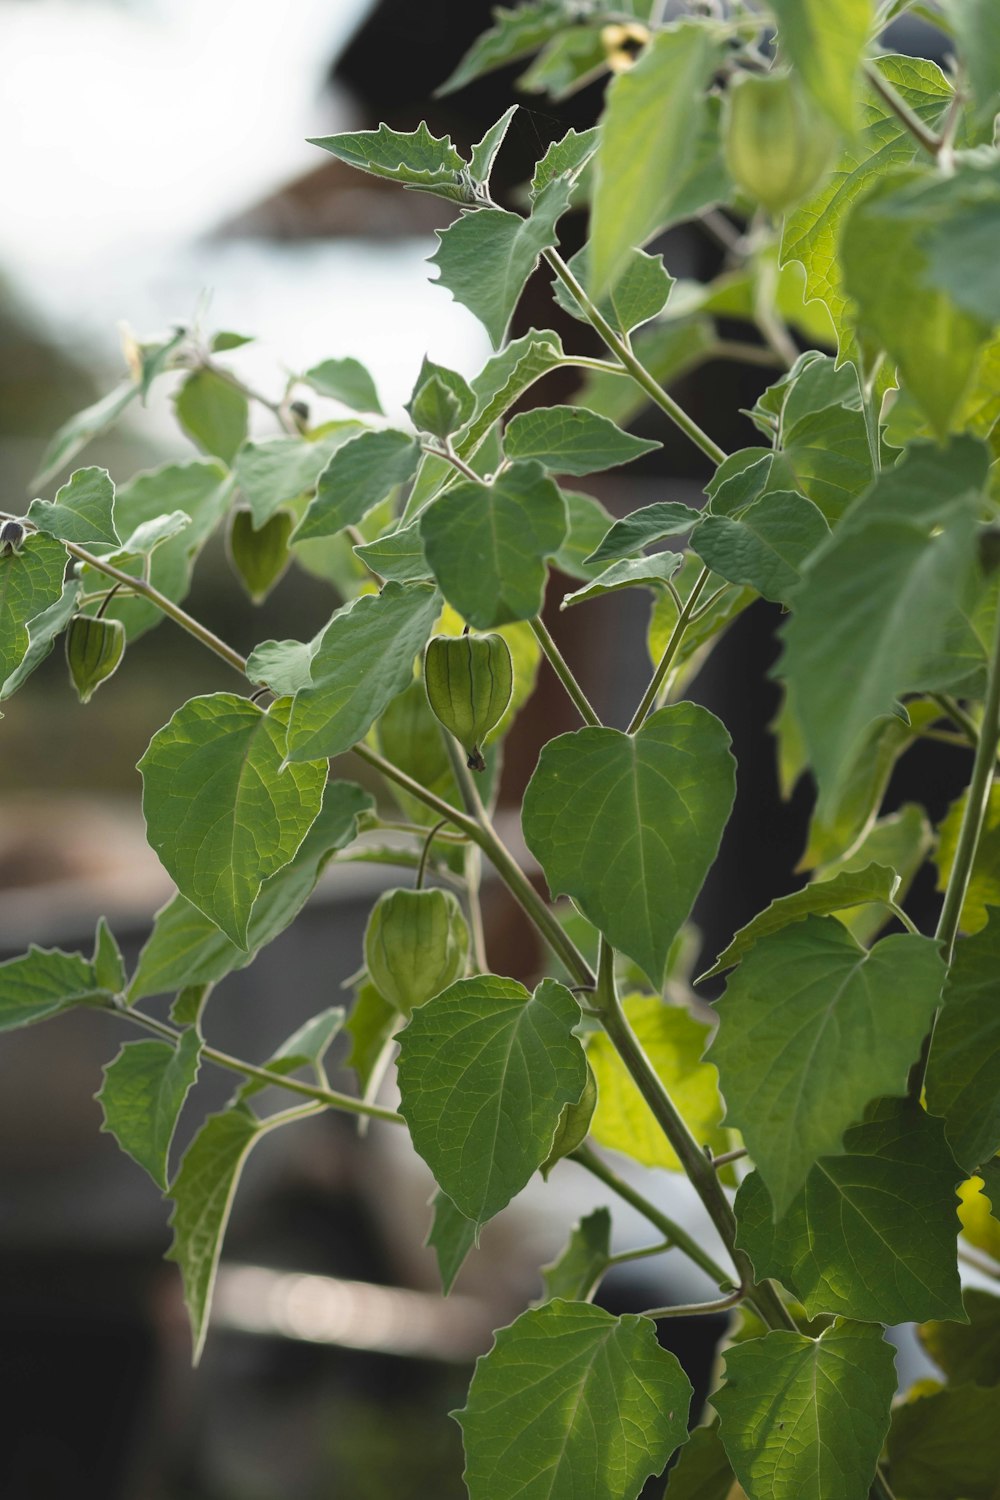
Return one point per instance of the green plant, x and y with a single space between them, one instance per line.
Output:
862 1071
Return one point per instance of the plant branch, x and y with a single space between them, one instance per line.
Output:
169 608
277 408
958 715
644 1252
635 368
559 665
447 452
669 651
696 1309
931 143
330 1098
677 1238
976 802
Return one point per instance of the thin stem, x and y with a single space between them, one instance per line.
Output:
958 715
473 877
748 354
330 1098
425 852
485 835
645 1252
447 452
709 604
678 1238
275 407
901 916
696 1309
582 362
169 608
975 806
669 651
390 825
930 142
867 390
636 369
558 663
726 1157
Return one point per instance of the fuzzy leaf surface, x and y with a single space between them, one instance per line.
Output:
417 159
805 1419
872 1234
43 982
812 1029
346 381
766 546
82 512
213 413
824 41
220 812
572 440
451 1237
31 583
572 1404
653 523
509 528
629 825
142 1096
576 1271
963 1072
363 472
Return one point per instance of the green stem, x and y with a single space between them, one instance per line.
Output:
957 714
976 802
277 408
169 608
901 916
485 835
473 879
930 142
426 852
558 664
696 1164
635 368
696 1309
644 1252
330 1098
678 1238
669 651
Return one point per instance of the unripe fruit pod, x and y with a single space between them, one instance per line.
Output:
469 680
416 945
94 649
778 146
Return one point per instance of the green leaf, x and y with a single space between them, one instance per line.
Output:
42 633
805 1419
566 64
220 812
589 522
143 1094
225 340
812 1029
699 638
505 377
305 1048
362 660
742 478
422 405
399 555
872 1233
278 470
483 154
639 293
976 26
572 440
565 156
202 491
213 413
260 555
827 457
673 1041
185 948
486 256
703 1472
81 429
109 965
824 41
517 32
766 547
451 1237
947 1444
148 535
203 1193
485 1069
649 133
968 1355
934 341
639 572
812 232
82 512
362 473
821 898
628 825
983 890
346 381
43 982
643 528
370 1026
508 527
879 594
902 841
963 1072
418 159
957 220
31 583
613 1411
577 1270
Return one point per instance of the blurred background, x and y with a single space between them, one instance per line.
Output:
155 162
